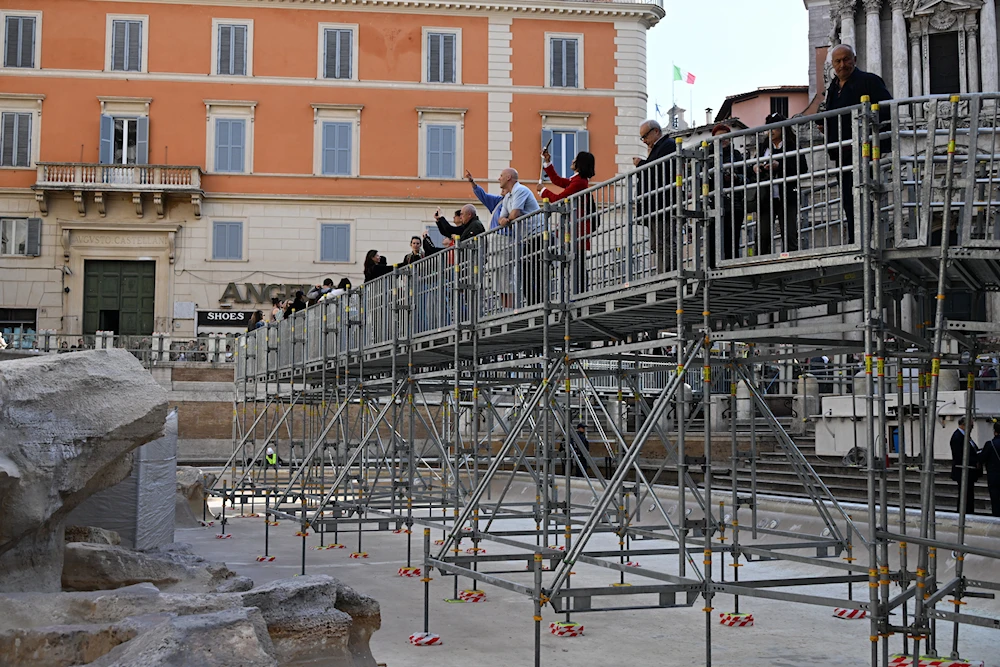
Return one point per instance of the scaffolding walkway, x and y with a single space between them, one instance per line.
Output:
433 397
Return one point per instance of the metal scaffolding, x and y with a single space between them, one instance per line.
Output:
425 397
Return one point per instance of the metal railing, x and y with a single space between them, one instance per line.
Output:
151 350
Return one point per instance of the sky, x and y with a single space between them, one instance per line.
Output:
731 46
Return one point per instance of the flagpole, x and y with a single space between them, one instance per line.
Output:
673 93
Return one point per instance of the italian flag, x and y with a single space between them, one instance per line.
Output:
686 77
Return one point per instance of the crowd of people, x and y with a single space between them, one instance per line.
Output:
775 201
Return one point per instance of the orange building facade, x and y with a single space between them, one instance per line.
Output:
167 158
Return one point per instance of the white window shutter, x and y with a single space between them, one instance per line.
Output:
239 67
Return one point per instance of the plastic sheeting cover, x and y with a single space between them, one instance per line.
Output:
141 507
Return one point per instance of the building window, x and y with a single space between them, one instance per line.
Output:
337 53
124 140
18 327
20 41
564 64
229 136
336 149
335 242
227 240
19 236
441 151
440 142
230 144
233 47
780 105
127 38
565 145
442 57
15 139
945 73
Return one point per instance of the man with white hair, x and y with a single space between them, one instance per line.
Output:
518 201
846 90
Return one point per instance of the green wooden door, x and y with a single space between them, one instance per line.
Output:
118 296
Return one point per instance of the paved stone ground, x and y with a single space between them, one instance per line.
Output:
500 631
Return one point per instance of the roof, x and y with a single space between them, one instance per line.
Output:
727 107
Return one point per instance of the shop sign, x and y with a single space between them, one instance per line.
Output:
260 292
224 318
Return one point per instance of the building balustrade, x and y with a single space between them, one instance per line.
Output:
138 179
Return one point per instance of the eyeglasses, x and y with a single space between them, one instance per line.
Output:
647 133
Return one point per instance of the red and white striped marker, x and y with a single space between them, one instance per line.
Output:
850 614
438 543
246 516
898 660
271 523
359 554
736 620
401 531
265 559
472 596
223 537
633 563
558 547
475 550
408 572
206 524
566 629
425 639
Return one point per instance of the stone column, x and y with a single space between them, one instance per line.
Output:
972 52
900 51
846 11
873 36
988 45
917 72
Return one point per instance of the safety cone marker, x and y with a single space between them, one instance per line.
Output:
271 523
425 639
265 559
359 554
472 596
898 660
401 531
408 572
475 550
438 543
850 614
206 524
736 620
632 563
223 537
566 629
246 516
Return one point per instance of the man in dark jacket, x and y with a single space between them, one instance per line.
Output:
468 226
846 90
957 446
651 199
990 458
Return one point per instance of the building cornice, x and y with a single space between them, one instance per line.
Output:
648 12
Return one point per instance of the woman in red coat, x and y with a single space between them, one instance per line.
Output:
583 171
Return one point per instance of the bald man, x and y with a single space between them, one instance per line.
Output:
847 88
517 200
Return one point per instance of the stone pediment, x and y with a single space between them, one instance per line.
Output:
930 7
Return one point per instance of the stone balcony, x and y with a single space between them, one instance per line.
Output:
152 181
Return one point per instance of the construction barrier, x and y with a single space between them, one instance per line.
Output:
632 563
302 533
736 620
425 639
265 559
359 554
566 629
271 523
438 543
206 524
850 614
475 550
898 660
401 531
246 516
472 596
223 537
409 572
